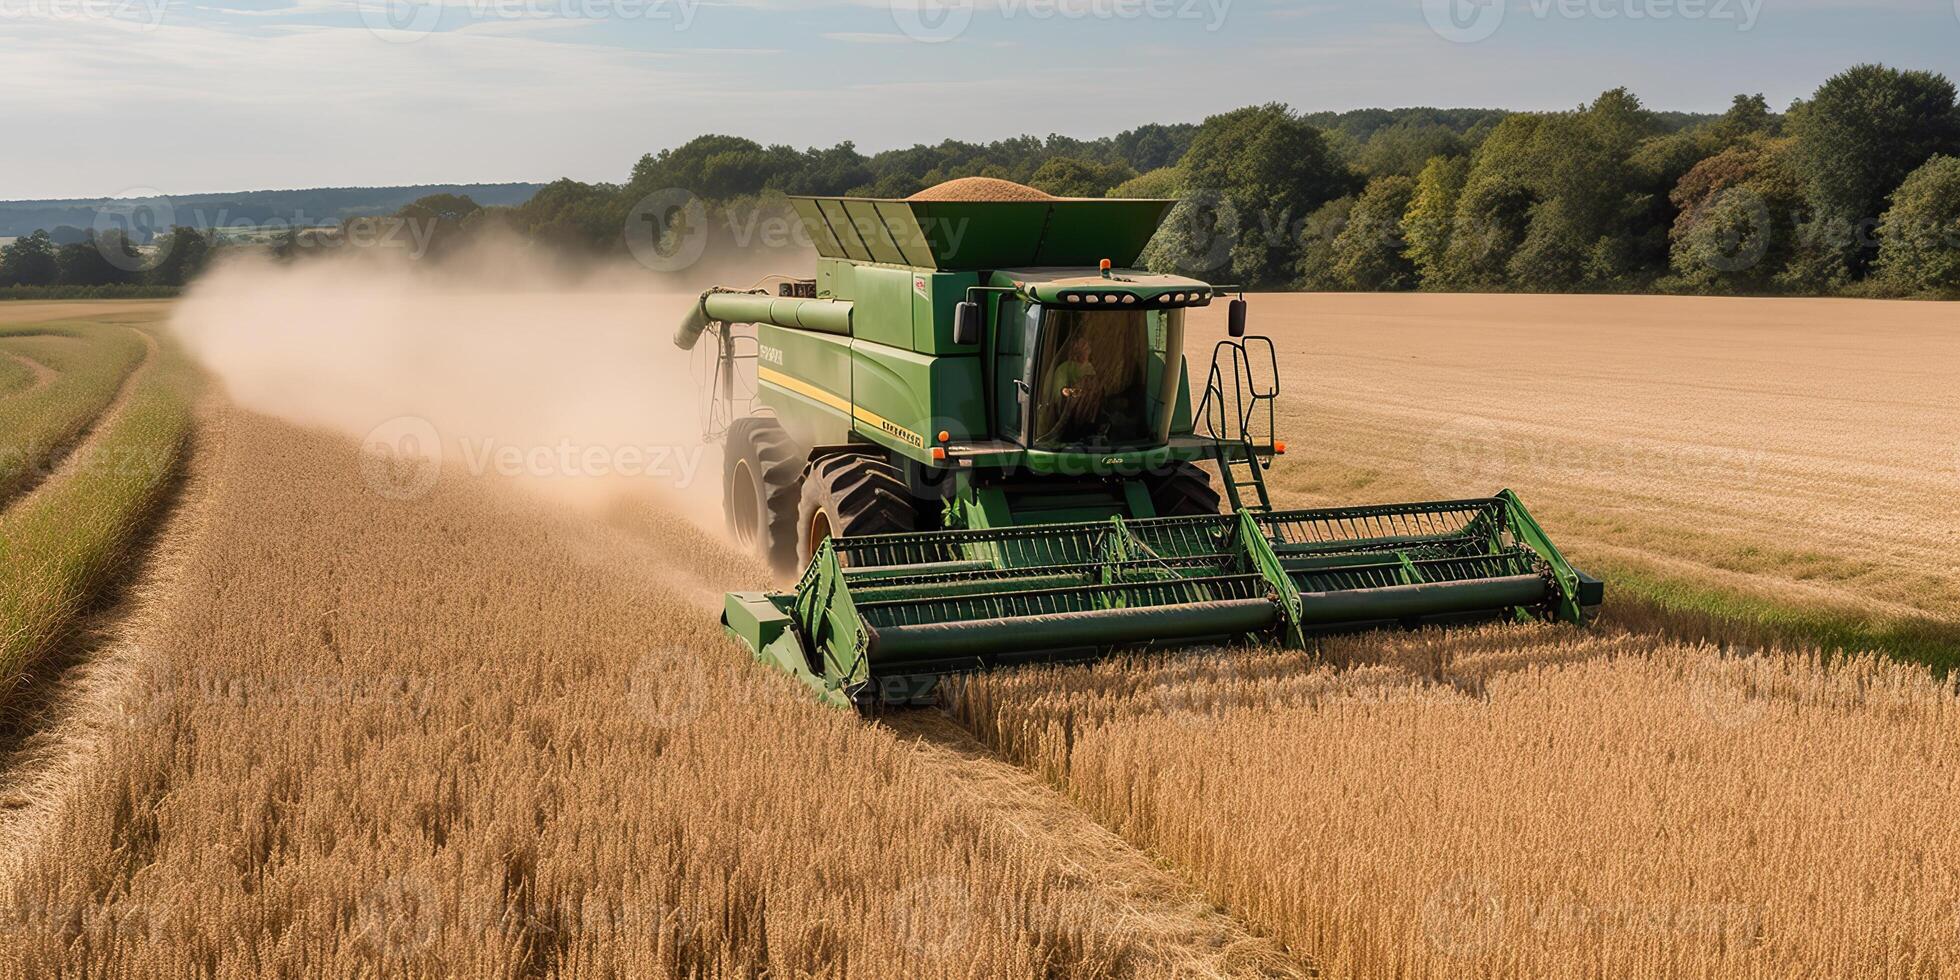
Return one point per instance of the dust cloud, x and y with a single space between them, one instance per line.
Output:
494 366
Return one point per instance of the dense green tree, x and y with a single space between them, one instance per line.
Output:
1735 226
835 170
1154 146
1370 253
1553 201
29 261
1919 238
1406 148
1317 236
574 216
180 255
1266 170
1072 177
1748 115
1427 222
435 225
1163 182
1856 140
1493 212
103 259
714 167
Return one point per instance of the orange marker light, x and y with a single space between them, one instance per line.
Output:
1279 448
945 436
938 454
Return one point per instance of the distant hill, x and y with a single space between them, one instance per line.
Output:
316 206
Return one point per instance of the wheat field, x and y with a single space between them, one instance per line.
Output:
1507 803
1773 457
463 736
329 732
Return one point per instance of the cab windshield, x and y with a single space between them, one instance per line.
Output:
1101 380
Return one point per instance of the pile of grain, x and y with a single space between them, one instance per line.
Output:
981 189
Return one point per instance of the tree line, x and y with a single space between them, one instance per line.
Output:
1852 191
81 259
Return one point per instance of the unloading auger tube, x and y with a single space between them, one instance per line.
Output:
974 443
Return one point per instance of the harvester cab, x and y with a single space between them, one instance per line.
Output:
972 443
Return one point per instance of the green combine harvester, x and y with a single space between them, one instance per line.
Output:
972 440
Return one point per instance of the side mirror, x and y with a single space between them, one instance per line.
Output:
966 324
1235 318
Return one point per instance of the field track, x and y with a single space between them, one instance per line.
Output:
37 374
474 733
547 634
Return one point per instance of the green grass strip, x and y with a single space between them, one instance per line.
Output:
91 362
119 291
1700 610
61 545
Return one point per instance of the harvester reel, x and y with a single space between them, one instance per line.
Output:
852 496
761 469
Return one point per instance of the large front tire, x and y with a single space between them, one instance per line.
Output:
761 475
849 496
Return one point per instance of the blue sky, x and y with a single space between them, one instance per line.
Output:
130 97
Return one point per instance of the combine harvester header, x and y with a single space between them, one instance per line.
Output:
973 433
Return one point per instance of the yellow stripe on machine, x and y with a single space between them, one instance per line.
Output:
840 403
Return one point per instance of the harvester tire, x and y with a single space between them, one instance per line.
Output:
1183 490
761 469
847 496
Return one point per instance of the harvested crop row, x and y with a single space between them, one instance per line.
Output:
75 532
1527 803
90 362
1789 462
465 735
